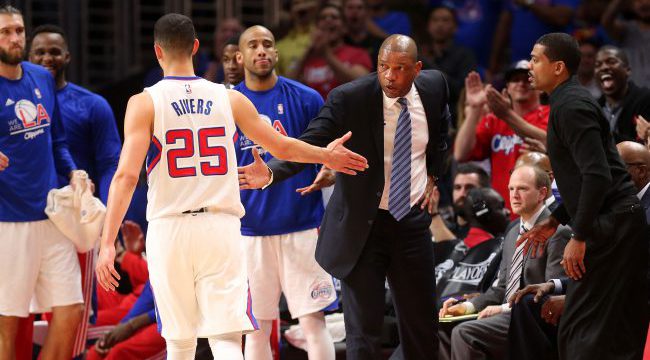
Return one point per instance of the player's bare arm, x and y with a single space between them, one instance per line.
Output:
335 156
138 122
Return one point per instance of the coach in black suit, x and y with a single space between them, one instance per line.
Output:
367 234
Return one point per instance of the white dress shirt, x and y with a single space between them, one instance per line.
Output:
419 140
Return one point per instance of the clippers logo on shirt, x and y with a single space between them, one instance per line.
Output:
505 143
30 119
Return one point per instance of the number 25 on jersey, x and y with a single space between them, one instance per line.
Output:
216 157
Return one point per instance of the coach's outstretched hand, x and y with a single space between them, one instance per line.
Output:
254 175
107 276
343 160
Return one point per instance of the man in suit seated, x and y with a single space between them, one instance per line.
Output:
487 336
535 314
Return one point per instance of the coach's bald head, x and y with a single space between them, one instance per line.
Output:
398 65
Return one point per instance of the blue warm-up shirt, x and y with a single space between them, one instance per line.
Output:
91 133
279 209
32 137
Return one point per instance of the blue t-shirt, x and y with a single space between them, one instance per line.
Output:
477 21
91 133
144 305
32 137
394 22
527 27
279 209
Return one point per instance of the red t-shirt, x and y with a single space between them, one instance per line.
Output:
320 77
496 139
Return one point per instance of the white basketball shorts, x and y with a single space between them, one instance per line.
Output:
286 263
39 269
198 275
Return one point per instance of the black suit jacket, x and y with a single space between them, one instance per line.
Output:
645 203
358 107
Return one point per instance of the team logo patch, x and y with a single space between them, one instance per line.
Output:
188 89
38 93
280 109
30 119
321 289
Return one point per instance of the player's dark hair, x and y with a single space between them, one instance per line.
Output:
468 168
48 28
232 41
175 33
561 47
9 10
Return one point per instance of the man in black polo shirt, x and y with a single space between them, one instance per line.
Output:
607 255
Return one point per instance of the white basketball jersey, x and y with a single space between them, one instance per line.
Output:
191 163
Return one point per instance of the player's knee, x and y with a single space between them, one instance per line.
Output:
181 349
8 328
68 316
312 323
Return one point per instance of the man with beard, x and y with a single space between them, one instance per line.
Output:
91 134
280 227
607 256
500 134
622 101
468 177
330 62
37 262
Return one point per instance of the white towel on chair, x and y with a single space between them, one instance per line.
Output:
77 213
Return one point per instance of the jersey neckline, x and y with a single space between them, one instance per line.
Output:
181 78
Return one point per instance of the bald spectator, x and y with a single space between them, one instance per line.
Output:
637 160
329 62
292 48
227 28
622 101
633 35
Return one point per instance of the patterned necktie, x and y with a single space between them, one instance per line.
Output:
514 277
399 200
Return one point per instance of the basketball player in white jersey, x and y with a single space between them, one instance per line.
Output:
196 262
